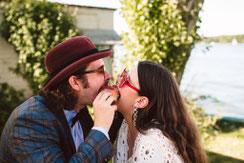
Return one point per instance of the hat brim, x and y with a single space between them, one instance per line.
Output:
63 74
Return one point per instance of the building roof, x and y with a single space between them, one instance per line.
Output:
102 37
107 4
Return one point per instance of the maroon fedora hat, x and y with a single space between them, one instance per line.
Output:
70 56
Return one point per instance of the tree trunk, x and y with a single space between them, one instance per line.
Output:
190 13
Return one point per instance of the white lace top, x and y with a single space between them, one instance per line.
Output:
152 147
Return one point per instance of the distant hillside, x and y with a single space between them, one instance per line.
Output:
224 39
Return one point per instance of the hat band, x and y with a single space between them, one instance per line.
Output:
54 73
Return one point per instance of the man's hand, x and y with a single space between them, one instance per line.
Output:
104 110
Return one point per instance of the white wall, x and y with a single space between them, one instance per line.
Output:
8 59
94 18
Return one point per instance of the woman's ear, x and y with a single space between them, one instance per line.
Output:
141 102
74 83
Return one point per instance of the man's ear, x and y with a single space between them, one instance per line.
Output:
141 102
75 85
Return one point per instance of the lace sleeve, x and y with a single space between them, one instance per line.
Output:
154 147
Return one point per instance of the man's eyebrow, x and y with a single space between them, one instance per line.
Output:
100 67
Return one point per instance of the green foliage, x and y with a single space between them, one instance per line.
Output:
217 158
206 124
33 28
159 32
9 99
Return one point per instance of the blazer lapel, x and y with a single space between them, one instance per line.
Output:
85 121
67 143
68 137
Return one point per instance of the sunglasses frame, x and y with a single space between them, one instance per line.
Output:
99 70
124 80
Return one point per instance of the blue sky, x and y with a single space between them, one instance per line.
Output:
219 17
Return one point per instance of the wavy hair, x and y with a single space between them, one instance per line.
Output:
167 111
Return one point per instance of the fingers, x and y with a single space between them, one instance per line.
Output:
104 110
111 99
99 95
102 96
105 96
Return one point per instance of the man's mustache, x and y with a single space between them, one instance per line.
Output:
104 85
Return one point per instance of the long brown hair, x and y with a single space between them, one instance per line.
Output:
62 95
166 111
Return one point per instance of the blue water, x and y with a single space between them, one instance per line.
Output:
218 73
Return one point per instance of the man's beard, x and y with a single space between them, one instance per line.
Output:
93 95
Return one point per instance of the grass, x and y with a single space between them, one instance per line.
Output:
228 146
219 158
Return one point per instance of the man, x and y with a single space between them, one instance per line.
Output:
56 126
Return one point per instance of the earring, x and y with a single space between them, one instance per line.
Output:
134 115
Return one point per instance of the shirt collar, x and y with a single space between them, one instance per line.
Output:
70 114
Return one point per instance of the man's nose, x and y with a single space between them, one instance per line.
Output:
107 76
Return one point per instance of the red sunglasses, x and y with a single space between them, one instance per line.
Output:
123 79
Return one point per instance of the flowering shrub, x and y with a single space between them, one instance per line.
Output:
33 28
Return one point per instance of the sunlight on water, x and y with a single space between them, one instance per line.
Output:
218 73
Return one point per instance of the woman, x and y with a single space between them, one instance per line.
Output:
156 126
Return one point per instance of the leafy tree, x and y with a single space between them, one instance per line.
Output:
163 31
33 28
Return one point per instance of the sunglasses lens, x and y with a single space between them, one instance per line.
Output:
122 83
123 79
101 71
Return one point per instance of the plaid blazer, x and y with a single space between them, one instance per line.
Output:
36 133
